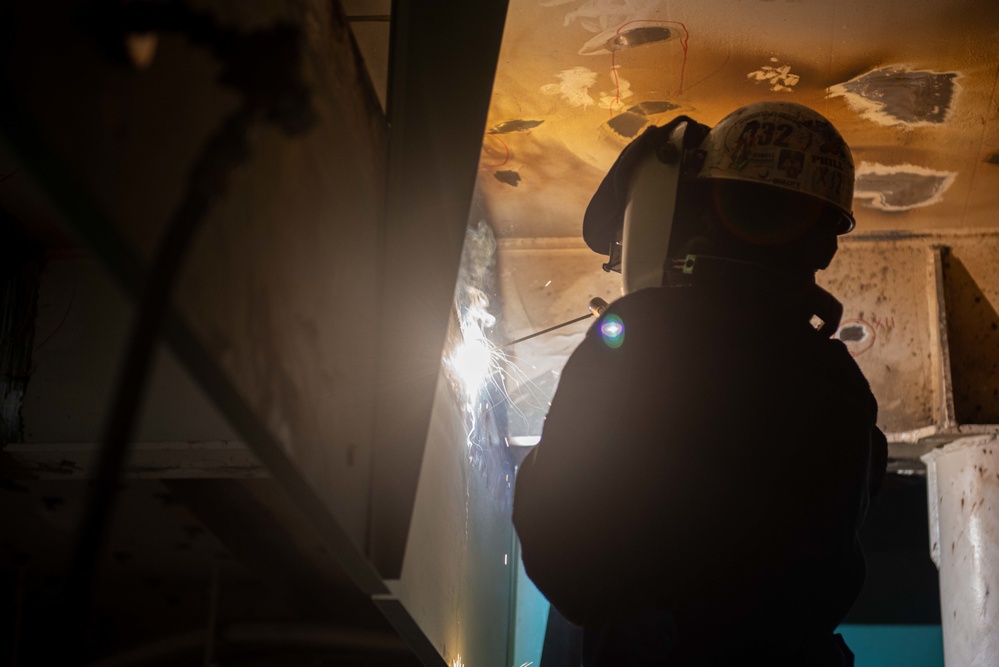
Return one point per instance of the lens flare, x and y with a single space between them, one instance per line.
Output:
612 330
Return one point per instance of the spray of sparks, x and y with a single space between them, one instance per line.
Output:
482 371
478 363
472 360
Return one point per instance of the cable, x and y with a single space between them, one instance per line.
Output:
265 67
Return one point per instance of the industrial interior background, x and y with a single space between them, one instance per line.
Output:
365 188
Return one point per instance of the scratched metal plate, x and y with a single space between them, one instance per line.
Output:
883 284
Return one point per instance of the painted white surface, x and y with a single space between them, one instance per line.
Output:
458 571
573 86
963 488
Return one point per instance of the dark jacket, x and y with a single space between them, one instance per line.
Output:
716 465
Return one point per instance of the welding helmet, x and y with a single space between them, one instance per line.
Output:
635 217
787 146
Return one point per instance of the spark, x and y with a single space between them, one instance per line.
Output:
477 362
472 359
548 283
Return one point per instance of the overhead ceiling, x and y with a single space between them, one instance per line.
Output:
911 85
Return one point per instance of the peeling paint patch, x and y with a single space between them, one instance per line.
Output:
901 187
629 123
508 176
515 126
599 15
653 107
898 95
573 86
612 98
779 79
638 36
858 335
610 19
854 333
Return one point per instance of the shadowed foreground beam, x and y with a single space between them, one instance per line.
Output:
443 61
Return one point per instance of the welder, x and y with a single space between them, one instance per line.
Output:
712 448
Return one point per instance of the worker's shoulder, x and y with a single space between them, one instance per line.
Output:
649 309
658 321
682 308
652 302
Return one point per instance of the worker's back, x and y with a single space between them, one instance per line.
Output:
704 467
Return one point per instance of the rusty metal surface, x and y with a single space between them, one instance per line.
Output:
883 287
886 283
148 460
578 79
971 278
290 251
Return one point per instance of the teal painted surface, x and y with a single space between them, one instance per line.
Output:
532 619
895 645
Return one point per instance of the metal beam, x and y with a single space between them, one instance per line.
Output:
149 460
943 385
442 64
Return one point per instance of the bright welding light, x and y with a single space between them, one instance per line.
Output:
471 360
612 331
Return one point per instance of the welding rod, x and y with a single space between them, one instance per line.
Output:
597 307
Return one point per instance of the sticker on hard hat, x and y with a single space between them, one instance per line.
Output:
782 149
827 181
762 137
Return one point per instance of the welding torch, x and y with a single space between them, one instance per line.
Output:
597 307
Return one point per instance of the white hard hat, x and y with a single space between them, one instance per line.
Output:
783 145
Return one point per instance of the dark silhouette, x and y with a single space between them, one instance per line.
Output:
711 451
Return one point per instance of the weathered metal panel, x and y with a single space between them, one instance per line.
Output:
964 534
971 278
882 284
82 321
282 275
921 328
148 460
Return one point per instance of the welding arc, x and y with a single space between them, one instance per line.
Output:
597 307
